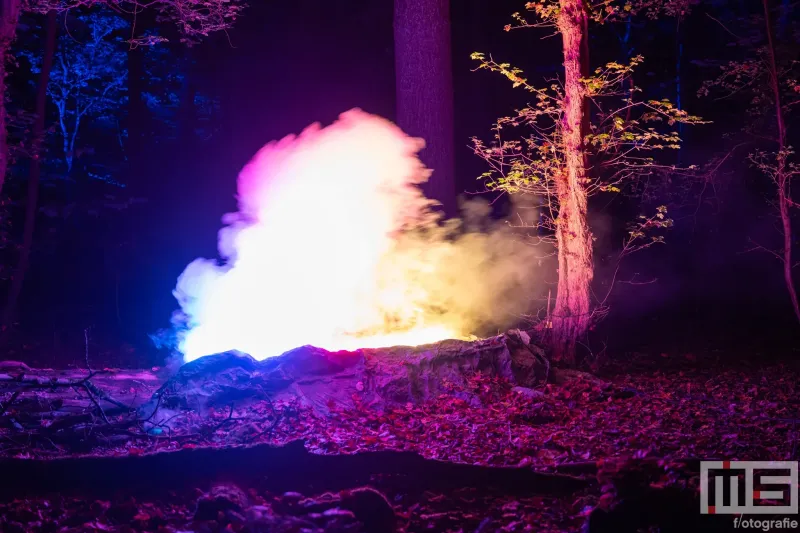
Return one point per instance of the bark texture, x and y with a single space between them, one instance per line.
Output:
571 314
424 84
9 15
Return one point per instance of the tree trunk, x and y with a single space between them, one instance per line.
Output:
424 84
32 203
572 312
9 15
679 83
786 225
782 178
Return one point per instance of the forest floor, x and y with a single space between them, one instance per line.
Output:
650 419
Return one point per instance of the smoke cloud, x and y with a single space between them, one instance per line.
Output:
334 245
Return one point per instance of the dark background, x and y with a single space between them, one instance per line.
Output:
288 64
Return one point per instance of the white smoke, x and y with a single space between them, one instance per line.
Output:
334 245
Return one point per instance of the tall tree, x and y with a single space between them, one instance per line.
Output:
768 79
88 79
32 200
87 86
572 312
194 19
782 170
424 84
9 15
551 160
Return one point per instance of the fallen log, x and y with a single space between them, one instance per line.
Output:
45 387
280 469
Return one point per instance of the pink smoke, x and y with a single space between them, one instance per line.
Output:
316 217
335 246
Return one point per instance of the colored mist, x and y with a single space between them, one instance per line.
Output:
335 246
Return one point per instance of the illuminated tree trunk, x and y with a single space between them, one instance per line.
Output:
782 172
571 314
32 201
424 84
9 15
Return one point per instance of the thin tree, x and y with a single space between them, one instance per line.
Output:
9 17
424 88
552 158
781 171
32 200
769 78
195 19
88 79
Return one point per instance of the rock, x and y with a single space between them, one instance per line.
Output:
205 366
530 393
529 363
372 377
371 508
123 512
363 504
264 519
14 527
210 381
226 500
562 376
259 512
14 366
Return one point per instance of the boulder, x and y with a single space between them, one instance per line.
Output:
376 377
222 499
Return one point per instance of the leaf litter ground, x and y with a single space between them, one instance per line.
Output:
657 417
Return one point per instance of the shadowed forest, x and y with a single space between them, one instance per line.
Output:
135 191
599 294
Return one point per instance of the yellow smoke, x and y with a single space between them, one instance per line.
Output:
335 246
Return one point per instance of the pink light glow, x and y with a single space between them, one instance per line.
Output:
335 246
317 214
